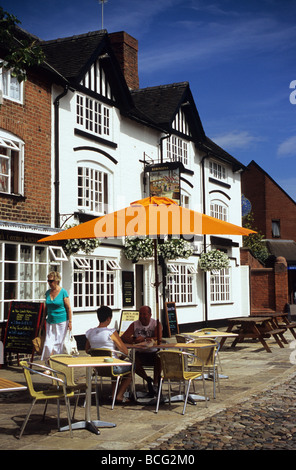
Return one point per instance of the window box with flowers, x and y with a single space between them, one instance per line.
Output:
142 248
213 260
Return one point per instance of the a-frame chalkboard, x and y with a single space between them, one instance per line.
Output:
22 326
171 318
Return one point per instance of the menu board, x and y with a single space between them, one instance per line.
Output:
127 318
171 317
22 326
128 288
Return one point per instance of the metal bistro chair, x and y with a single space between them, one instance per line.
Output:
31 368
211 330
207 353
173 369
107 371
67 372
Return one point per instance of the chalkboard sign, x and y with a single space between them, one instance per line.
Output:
22 326
128 288
127 318
171 318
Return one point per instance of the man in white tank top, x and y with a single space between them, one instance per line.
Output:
145 330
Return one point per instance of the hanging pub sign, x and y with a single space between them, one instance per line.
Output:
164 180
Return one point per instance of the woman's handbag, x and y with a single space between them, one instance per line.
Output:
70 345
38 342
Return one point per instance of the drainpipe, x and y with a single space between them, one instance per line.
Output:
57 157
204 209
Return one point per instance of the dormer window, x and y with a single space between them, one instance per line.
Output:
177 150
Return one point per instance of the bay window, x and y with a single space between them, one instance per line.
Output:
23 273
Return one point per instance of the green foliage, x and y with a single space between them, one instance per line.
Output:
214 259
86 245
142 248
22 53
255 241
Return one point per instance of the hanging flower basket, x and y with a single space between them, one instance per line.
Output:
213 260
87 245
142 248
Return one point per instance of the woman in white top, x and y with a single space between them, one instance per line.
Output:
108 338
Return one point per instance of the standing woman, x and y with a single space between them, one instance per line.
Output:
58 315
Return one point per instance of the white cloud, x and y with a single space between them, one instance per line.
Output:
236 139
287 148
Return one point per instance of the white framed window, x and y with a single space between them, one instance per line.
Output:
95 285
217 170
57 253
220 286
219 210
11 164
93 116
10 87
81 263
180 283
93 188
177 150
23 273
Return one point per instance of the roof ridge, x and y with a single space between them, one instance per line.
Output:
169 85
100 32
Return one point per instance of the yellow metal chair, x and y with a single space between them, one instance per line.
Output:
108 371
31 368
207 353
173 369
67 372
211 330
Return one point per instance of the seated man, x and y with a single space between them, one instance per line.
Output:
145 329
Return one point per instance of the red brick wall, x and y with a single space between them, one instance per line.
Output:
268 286
269 202
32 123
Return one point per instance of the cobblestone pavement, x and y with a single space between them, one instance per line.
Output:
266 421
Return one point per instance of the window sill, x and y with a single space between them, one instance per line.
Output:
219 182
12 195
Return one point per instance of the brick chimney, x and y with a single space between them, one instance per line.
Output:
125 48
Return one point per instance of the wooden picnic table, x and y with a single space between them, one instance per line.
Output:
281 320
256 328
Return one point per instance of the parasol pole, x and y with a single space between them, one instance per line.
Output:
156 288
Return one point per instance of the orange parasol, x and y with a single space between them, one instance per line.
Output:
153 217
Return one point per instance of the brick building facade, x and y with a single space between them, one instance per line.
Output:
30 122
274 213
273 209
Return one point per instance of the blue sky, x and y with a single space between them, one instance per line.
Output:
237 55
